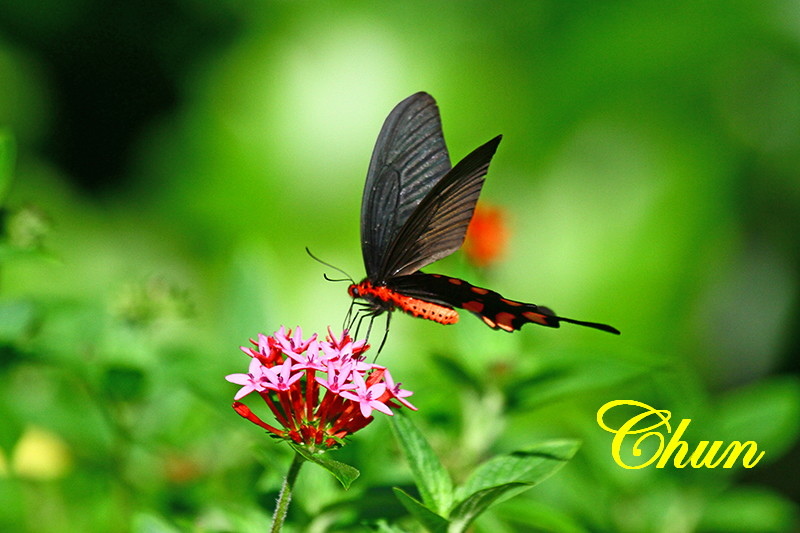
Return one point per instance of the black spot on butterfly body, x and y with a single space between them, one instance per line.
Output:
415 210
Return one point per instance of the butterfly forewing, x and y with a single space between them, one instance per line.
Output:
409 158
438 225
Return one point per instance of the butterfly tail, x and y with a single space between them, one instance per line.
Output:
510 316
546 317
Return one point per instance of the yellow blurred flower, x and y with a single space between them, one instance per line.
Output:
41 455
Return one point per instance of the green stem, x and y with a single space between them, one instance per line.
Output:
285 495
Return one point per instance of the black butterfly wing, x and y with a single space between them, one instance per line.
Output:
437 226
409 158
495 311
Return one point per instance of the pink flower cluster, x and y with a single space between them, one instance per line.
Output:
318 391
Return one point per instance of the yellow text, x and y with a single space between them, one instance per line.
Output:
705 455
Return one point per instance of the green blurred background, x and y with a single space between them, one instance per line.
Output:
163 165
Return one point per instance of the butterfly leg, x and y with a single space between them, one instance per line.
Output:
385 334
348 318
354 318
359 317
371 316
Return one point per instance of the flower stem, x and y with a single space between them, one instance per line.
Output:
285 495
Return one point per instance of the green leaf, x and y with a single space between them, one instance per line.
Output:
526 514
750 509
508 475
530 466
571 374
469 509
124 382
14 511
766 412
150 523
432 480
16 317
429 519
7 153
457 370
382 526
344 473
11 429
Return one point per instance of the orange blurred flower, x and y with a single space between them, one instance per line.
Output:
487 235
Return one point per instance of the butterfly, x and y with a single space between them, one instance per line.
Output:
415 210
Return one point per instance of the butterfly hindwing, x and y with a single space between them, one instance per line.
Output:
438 225
409 158
496 311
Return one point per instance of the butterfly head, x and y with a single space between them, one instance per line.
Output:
353 291
364 290
377 297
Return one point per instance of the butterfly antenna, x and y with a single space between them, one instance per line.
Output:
318 260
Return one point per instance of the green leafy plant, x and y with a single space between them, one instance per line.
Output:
448 508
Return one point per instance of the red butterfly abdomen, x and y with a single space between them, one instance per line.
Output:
427 310
413 306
